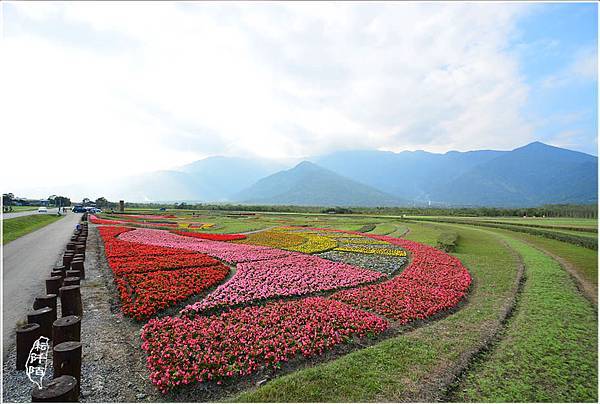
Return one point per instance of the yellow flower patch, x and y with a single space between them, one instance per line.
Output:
373 250
275 239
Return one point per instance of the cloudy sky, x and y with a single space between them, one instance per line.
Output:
125 88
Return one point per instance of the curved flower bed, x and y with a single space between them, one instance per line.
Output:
242 341
152 278
275 239
434 281
144 294
225 251
214 237
372 250
294 275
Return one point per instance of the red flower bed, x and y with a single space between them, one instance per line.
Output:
96 220
214 237
144 294
242 341
151 278
434 281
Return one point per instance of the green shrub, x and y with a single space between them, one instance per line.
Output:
447 241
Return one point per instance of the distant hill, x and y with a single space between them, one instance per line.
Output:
531 175
309 184
527 176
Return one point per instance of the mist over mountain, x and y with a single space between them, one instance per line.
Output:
531 175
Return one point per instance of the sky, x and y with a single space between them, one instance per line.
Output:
96 91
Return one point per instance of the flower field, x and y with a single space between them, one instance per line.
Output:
295 292
434 281
241 341
150 278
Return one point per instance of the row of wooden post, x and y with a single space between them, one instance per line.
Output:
65 332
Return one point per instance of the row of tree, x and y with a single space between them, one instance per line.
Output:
564 210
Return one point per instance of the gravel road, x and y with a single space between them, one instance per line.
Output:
27 261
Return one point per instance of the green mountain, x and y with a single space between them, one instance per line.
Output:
309 184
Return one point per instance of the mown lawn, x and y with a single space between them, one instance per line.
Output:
583 259
17 227
405 367
549 350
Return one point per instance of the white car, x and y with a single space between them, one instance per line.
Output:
42 209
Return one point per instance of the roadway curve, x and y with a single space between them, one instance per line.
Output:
27 261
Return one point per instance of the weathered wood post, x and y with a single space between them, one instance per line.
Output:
60 274
53 284
63 389
71 280
66 360
121 206
46 301
70 301
70 246
78 266
67 258
44 317
26 335
72 272
66 329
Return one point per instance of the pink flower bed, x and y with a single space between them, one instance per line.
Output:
241 341
294 275
226 251
262 272
433 282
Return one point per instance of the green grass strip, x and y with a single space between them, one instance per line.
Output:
549 350
17 227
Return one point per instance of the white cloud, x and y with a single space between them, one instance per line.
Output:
123 88
583 67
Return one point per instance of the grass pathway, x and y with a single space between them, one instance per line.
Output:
549 349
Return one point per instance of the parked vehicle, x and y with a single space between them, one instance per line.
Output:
42 209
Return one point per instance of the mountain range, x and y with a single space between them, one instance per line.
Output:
531 175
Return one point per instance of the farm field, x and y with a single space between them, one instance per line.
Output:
351 308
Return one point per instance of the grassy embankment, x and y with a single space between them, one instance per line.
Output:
17 227
549 349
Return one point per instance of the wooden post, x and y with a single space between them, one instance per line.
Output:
71 280
78 266
66 359
61 268
67 258
53 284
71 246
26 335
70 301
63 389
73 272
60 274
44 317
46 301
66 329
